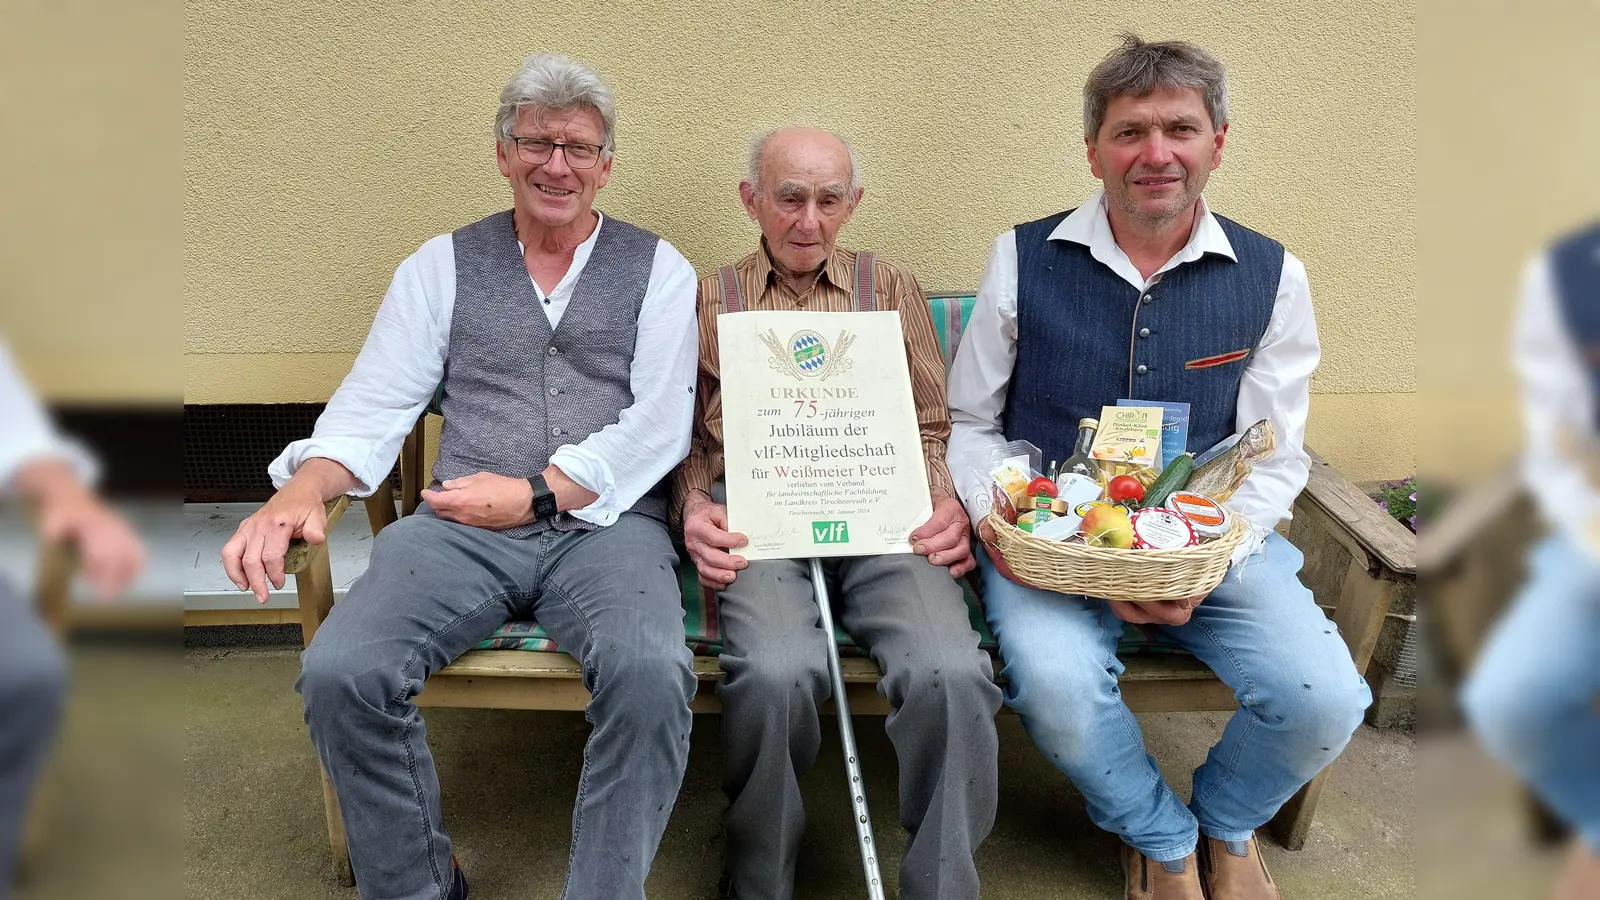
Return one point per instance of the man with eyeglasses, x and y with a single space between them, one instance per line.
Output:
565 341
908 610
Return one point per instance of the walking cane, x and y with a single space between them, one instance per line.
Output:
847 736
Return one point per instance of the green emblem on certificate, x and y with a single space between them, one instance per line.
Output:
810 352
808 355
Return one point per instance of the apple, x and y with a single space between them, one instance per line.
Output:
1108 526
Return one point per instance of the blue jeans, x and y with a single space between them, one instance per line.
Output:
33 681
435 588
1300 699
1534 698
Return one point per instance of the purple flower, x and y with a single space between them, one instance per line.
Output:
1399 500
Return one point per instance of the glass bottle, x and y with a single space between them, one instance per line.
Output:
1080 465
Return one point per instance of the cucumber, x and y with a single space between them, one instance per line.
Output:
1172 479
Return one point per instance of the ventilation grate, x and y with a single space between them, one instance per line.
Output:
1406 666
137 446
227 447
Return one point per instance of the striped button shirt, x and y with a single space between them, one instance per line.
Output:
765 290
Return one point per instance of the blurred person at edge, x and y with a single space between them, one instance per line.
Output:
1534 698
52 475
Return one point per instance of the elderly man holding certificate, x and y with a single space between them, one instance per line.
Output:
905 607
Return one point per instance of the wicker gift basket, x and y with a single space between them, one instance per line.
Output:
1110 573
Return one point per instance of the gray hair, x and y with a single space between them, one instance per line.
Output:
1137 68
758 150
553 81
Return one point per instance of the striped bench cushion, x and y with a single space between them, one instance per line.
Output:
700 627
950 315
702 635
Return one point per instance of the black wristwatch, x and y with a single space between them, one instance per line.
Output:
544 499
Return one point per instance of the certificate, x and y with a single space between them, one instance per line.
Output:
820 437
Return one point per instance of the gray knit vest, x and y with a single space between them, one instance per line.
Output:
514 391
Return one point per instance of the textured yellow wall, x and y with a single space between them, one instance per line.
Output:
325 142
1507 139
90 198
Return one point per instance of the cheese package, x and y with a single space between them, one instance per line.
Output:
1128 442
1013 481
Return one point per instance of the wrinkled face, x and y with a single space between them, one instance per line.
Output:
1156 153
803 200
553 192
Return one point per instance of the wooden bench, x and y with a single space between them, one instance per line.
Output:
1356 558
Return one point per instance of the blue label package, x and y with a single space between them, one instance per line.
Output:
1174 427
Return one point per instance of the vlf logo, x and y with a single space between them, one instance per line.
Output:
830 533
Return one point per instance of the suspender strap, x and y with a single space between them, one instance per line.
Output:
732 296
864 293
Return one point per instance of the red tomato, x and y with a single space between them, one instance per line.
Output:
1125 487
1041 485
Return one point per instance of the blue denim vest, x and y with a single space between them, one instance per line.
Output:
1575 268
1086 337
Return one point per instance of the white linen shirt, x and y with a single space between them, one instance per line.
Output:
1276 385
26 433
403 361
1557 409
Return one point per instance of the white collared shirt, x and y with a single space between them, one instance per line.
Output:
1557 409
1276 384
27 435
555 302
403 361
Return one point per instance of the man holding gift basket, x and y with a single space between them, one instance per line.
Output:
1143 294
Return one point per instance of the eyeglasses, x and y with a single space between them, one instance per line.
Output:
537 151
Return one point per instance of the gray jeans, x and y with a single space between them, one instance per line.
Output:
911 615
435 588
33 678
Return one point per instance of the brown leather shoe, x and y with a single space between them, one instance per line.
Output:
1147 879
1234 870
1581 881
